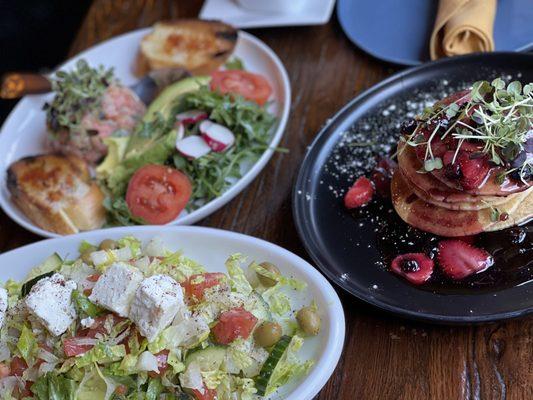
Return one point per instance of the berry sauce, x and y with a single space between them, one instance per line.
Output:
511 249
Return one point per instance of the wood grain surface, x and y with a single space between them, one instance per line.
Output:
384 357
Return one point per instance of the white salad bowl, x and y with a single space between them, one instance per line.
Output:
210 247
24 131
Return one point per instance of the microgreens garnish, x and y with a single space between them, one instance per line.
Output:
76 92
496 117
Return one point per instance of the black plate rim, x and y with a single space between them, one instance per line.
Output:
301 211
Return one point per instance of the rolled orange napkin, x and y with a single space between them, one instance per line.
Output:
463 26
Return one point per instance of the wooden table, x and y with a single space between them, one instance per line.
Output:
384 357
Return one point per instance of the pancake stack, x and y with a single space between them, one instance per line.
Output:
467 193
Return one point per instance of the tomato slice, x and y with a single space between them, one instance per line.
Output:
157 194
208 394
197 284
250 86
18 366
233 324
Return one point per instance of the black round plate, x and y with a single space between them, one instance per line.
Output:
345 248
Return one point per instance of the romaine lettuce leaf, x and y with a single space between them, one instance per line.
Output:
84 307
86 246
27 344
278 301
236 388
238 280
281 279
289 367
54 387
154 389
174 360
132 243
95 386
102 354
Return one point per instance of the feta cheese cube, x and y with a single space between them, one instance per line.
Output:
87 322
155 305
3 305
116 287
50 302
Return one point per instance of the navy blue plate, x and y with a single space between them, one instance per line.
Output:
347 249
399 31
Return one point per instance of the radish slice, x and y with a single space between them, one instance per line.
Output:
180 131
191 117
193 147
218 137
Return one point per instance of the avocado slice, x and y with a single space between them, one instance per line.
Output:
116 148
162 102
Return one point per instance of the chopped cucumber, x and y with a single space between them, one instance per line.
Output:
208 359
259 307
279 349
51 264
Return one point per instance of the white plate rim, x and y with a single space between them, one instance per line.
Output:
324 367
9 208
261 19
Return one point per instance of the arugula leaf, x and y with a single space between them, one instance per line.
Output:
154 143
234 63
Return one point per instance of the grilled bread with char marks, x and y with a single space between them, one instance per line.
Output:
57 193
198 46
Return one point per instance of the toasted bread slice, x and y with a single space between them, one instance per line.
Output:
57 193
198 46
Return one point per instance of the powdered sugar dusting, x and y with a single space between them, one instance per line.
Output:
376 134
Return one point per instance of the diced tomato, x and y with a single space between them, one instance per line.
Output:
197 284
71 345
208 394
93 277
72 348
87 292
157 194
233 324
18 366
44 346
250 86
4 370
162 364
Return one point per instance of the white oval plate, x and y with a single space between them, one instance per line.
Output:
325 348
24 131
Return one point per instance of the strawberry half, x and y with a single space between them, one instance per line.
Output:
415 267
474 170
459 259
359 194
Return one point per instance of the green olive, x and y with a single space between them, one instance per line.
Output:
267 334
86 256
309 320
108 244
265 281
